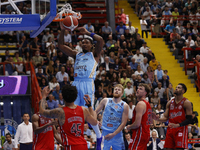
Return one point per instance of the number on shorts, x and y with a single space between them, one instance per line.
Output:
75 129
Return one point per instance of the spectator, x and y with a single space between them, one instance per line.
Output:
124 80
150 56
154 7
56 92
153 142
129 71
60 101
166 13
153 63
128 138
89 26
100 71
17 58
43 83
137 82
110 41
194 125
160 90
158 73
37 59
34 46
139 5
109 74
57 65
87 131
10 67
99 93
97 27
190 145
114 80
150 74
159 109
61 74
104 82
120 29
106 65
138 57
67 38
45 39
135 34
62 57
164 81
23 46
179 28
177 45
51 102
146 79
123 16
89 144
127 35
129 91
147 15
173 35
144 64
130 28
40 75
152 129
24 134
6 56
64 82
159 127
10 143
138 42
144 49
130 113
53 83
175 15
143 24
52 52
170 92
121 41
169 29
155 99
79 47
106 30
49 71
139 71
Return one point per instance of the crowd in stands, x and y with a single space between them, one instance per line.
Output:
125 59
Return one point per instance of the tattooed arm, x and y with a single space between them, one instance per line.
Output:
54 113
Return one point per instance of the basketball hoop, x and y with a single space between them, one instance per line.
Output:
66 10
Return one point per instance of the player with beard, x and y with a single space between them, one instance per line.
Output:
115 117
179 112
141 120
84 67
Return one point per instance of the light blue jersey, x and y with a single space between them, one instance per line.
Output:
112 119
84 76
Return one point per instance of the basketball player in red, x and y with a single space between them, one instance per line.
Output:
179 112
71 118
43 131
141 120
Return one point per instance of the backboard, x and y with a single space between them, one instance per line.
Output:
20 15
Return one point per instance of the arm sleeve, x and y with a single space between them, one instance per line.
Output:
187 121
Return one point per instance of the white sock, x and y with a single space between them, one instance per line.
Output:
96 130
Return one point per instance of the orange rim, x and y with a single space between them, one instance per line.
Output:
57 19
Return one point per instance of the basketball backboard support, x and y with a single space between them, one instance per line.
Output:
36 22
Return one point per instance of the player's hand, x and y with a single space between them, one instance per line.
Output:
173 125
45 91
61 26
99 124
154 117
53 122
87 100
128 127
83 30
109 136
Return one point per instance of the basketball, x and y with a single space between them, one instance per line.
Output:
70 23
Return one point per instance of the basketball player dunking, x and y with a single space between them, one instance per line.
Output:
141 120
71 118
84 68
179 112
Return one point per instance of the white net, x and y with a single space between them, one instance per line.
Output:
66 10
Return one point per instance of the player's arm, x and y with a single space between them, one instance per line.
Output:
65 49
140 110
56 135
88 117
35 124
54 113
122 125
88 104
101 105
166 113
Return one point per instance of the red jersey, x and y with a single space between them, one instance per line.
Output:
40 140
73 128
176 111
141 135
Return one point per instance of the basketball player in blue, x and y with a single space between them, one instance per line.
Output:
115 117
84 67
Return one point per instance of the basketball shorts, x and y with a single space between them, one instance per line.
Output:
117 142
176 138
139 140
84 86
